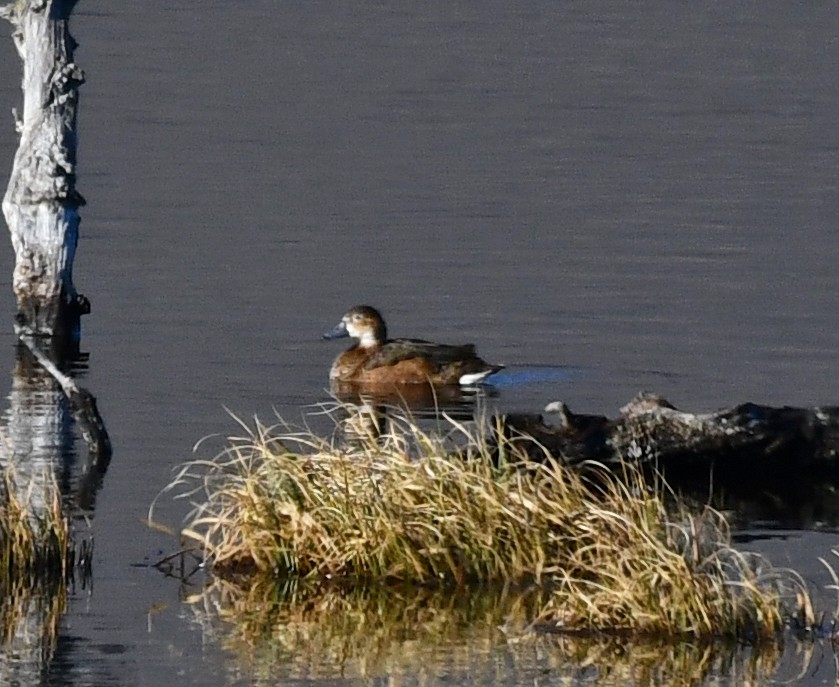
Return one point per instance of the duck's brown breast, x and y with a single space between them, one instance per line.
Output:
349 364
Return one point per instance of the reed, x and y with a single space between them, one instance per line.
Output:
465 505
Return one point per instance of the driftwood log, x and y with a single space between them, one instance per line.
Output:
775 462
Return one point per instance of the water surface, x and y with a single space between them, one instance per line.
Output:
630 196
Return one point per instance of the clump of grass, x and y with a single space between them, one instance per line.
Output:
644 571
408 506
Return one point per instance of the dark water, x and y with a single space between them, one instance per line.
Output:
626 196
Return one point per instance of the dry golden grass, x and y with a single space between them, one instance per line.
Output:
402 507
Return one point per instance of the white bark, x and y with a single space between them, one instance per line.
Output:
41 203
41 209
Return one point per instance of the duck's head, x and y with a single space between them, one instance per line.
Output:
363 323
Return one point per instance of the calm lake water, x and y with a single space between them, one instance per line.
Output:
604 196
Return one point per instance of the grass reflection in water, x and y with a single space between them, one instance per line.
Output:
433 636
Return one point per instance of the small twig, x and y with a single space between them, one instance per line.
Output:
166 566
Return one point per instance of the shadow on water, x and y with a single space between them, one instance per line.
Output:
328 631
534 374
39 454
765 493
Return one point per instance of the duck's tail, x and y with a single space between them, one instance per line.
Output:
471 378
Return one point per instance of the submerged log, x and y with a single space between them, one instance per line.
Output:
649 429
766 462
41 202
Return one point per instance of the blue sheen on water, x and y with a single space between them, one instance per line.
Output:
520 376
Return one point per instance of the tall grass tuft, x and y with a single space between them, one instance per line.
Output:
466 505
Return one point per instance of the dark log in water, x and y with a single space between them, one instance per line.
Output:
768 462
651 429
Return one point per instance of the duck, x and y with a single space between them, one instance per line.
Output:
376 360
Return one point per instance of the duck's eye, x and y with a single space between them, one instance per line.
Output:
356 318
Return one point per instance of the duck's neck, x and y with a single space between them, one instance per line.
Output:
368 340
374 337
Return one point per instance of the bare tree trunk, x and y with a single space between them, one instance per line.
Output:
41 202
41 208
